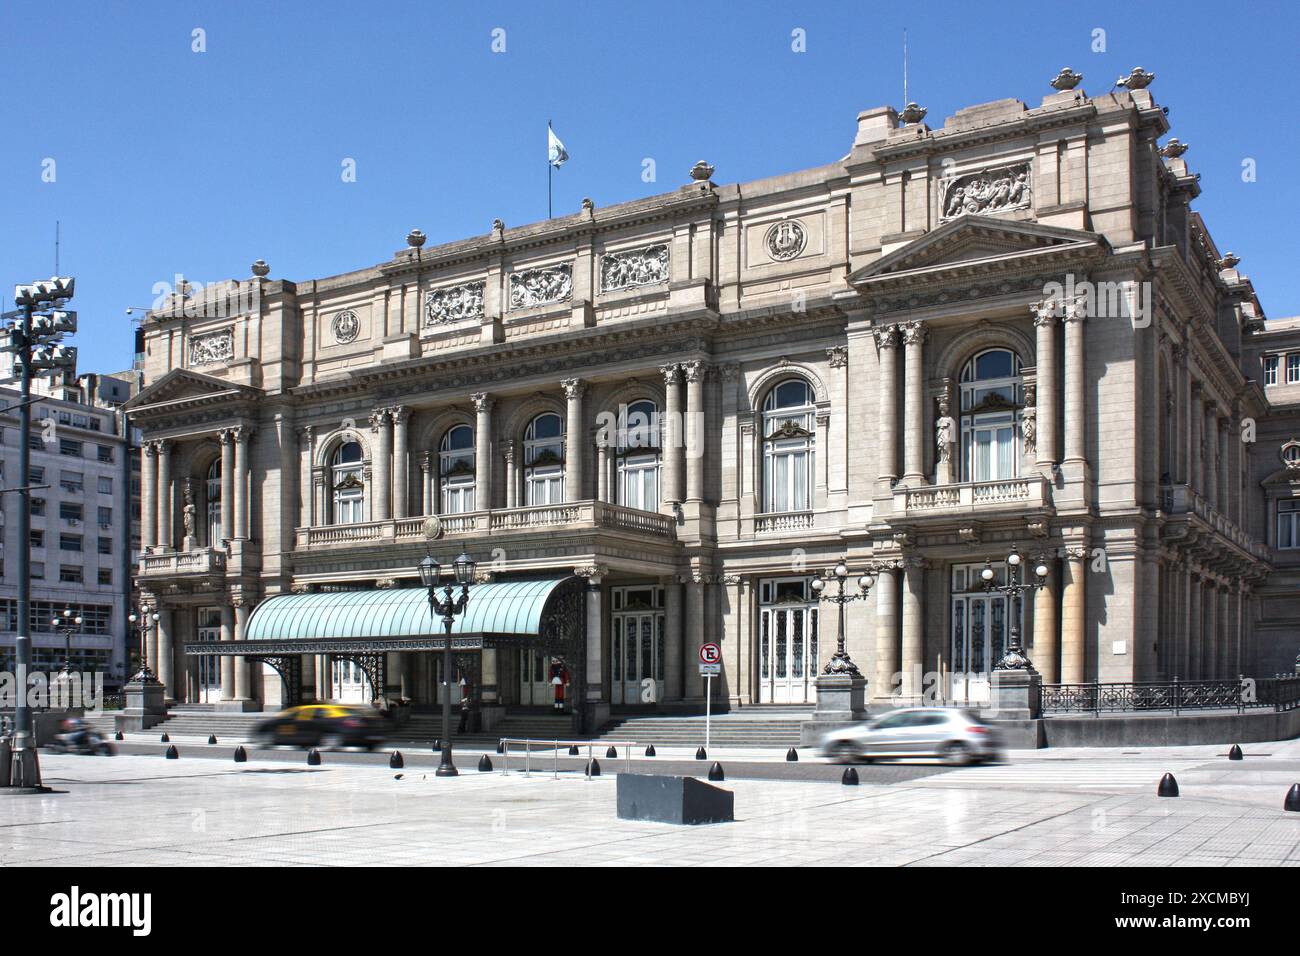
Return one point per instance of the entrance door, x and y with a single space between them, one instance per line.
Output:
349 684
209 629
637 656
788 648
535 678
979 638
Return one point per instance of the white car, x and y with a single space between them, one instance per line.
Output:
957 736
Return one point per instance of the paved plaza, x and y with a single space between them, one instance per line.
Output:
1046 808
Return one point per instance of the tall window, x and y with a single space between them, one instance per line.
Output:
348 484
214 504
789 443
544 460
638 456
1270 369
1292 368
456 470
1288 523
991 396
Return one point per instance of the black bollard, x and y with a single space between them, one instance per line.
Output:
165 739
172 752
395 762
593 768
313 757
212 739
573 750
1234 753
501 746
437 747
850 778
119 736
241 755
715 772
650 751
1168 786
701 755
611 754
792 755
485 764
1292 802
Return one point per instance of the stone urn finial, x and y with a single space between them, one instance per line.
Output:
1138 79
1174 148
1229 261
261 269
702 172
415 238
912 114
1067 79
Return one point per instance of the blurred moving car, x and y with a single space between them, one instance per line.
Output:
323 725
957 736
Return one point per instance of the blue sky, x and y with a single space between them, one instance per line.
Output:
172 161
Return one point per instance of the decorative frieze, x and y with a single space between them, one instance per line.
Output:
541 286
992 190
212 347
455 303
636 267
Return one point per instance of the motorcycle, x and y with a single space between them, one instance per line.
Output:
84 741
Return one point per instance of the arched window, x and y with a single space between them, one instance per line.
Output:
456 470
349 487
544 460
638 455
789 447
214 504
991 402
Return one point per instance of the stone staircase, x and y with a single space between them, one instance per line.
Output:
752 727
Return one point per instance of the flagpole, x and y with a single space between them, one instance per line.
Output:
549 169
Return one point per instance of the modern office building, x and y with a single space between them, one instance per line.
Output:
654 423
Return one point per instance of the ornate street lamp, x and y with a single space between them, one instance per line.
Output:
447 608
1014 659
840 662
145 619
69 625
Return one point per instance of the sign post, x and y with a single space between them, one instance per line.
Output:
710 664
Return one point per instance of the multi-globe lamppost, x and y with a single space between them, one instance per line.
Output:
1014 659
68 624
144 620
447 608
33 337
840 662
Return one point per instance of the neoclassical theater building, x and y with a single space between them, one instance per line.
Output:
653 424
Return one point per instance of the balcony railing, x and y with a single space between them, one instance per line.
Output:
201 561
1020 493
580 515
783 521
1278 693
1182 500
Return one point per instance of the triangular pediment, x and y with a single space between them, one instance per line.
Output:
970 242
182 384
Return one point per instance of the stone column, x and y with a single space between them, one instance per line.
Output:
694 449
694 637
243 668
1225 473
1045 318
1210 431
602 471
427 491
166 501
913 626
151 639
672 436
1195 628
887 342
1046 649
401 415
575 440
1196 424
242 488
483 491
381 485
914 334
1210 627
887 629
1075 403
1073 610
166 669
594 692
227 486
673 655
307 686
512 476
149 496
227 662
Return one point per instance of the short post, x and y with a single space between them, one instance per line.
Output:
708 702
1178 696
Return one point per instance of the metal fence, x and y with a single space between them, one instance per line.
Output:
1245 693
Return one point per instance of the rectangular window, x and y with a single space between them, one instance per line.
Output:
70 511
38 570
35 442
105 485
1288 523
70 574
105 454
72 449
105 517
1292 368
38 539
1270 369
36 476
105 545
70 542
106 577
72 481
38 507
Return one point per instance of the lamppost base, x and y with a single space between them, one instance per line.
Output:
21 770
446 768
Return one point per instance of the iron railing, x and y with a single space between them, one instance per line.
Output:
1245 693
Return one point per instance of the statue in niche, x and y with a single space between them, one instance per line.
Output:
945 428
188 511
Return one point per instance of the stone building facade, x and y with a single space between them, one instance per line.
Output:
1008 330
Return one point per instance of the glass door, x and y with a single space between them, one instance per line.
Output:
788 651
209 629
535 672
979 636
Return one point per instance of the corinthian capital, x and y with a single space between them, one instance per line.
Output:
693 371
672 374
483 402
914 333
837 356
886 336
378 418
1045 312
573 387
